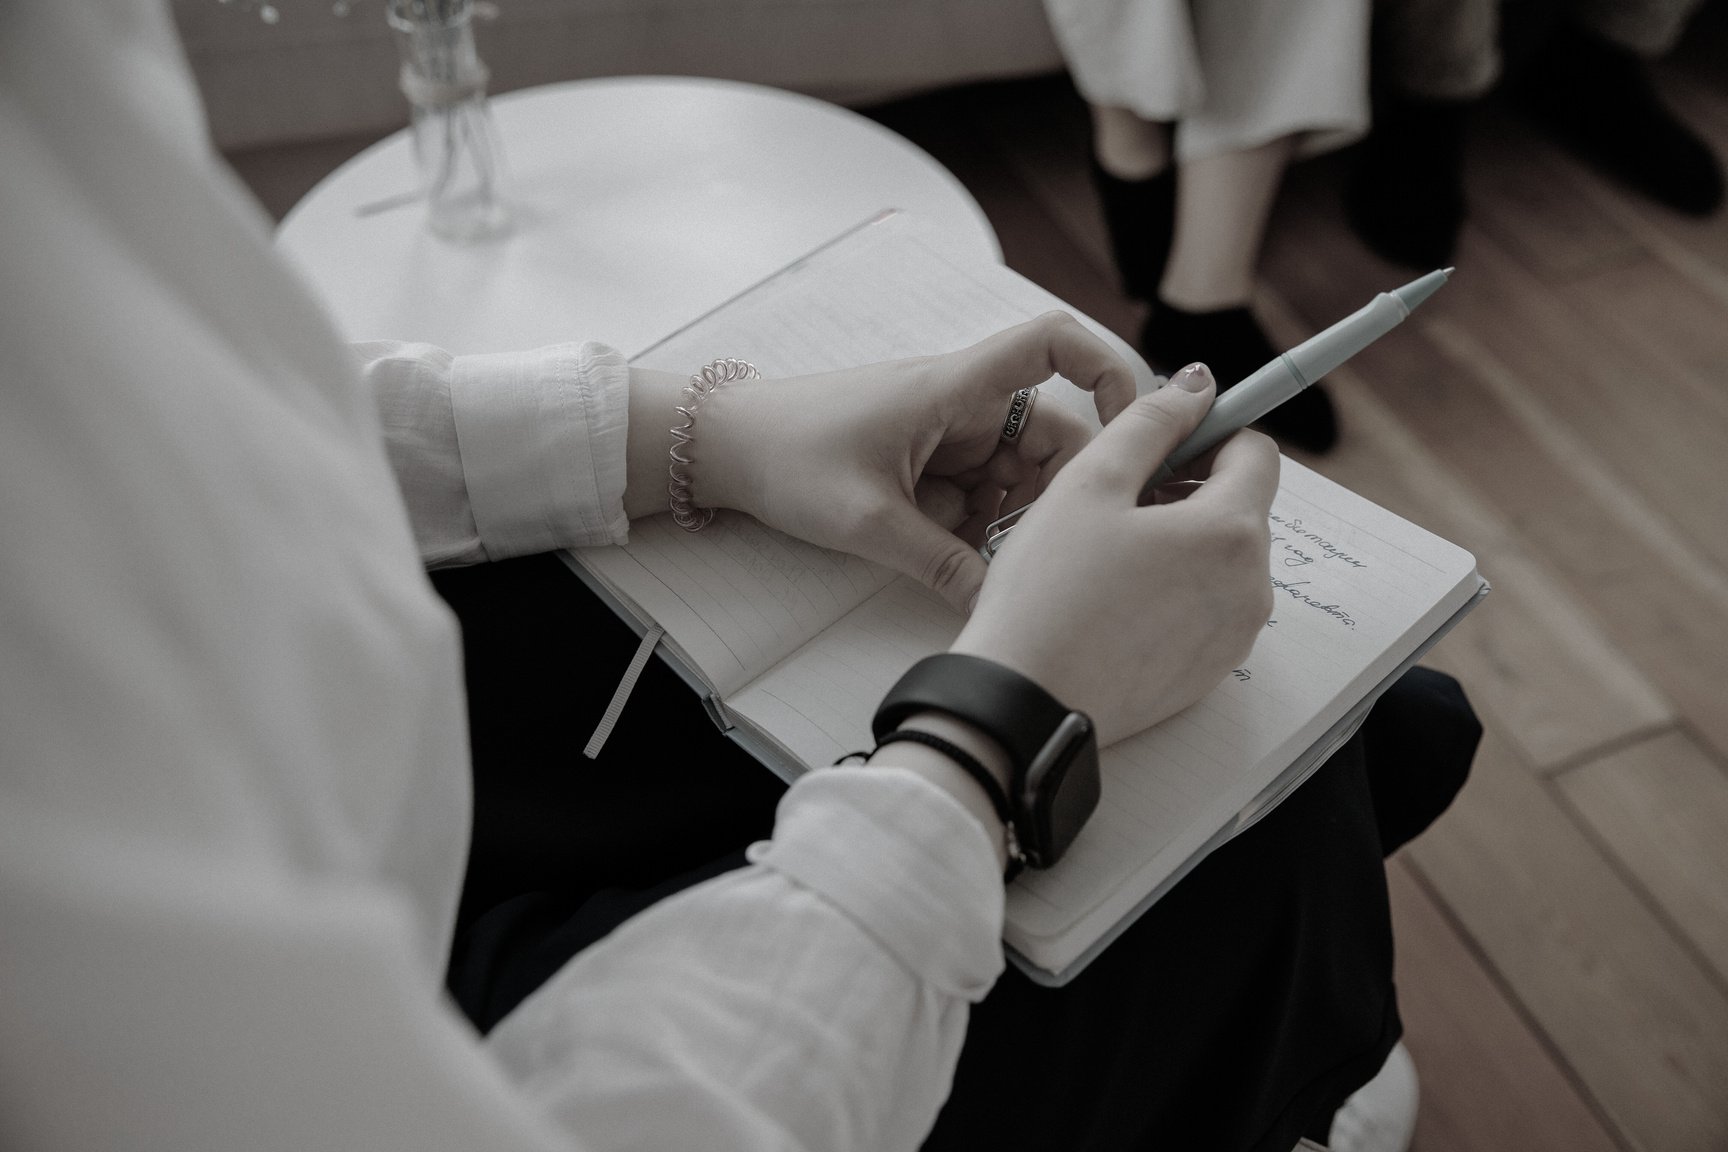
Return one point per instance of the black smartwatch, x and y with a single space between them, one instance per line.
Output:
1052 750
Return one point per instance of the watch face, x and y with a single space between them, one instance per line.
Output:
1061 790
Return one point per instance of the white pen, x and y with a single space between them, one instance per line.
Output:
1274 383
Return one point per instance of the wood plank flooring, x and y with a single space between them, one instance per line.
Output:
1562 410
1470 1040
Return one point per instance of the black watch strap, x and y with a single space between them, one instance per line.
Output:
1052 753
1005 705
967 762
972 767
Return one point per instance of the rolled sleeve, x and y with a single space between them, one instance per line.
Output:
542 437
817 1000
931 894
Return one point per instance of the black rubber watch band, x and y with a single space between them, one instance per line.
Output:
1054 784
974 768
967 762
1010 708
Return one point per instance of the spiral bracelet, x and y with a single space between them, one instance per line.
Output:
684 511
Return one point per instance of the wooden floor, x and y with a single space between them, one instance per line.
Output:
1561 410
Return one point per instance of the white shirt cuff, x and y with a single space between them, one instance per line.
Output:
542 437
903 860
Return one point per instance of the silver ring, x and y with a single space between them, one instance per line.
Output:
1019 412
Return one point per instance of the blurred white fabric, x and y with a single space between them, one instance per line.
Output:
233 754
1232 74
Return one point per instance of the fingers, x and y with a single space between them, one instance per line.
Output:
972 531
1243 472
910 543
1056 344
1130 448
1054 437
941 500
964 510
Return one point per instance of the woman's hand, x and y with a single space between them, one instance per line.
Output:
902 463
1131 612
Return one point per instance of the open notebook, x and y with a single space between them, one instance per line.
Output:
793 645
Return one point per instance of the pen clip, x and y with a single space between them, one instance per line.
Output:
997 531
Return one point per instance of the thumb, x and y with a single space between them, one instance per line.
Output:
911 543
1130 448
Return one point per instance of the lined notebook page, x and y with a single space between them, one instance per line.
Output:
881 292
1357 590
738 597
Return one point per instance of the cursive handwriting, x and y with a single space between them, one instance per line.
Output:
1297 529
1295 589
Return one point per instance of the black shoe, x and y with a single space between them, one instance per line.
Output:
1231 343
1141 218
1598 100
1405 198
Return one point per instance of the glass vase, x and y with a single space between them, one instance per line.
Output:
455 144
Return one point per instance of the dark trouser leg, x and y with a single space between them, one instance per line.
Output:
1238 1013
1244 1007
1251 1000
1417 745
555 833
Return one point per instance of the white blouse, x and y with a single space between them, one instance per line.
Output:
233 757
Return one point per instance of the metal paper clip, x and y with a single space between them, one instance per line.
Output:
997 531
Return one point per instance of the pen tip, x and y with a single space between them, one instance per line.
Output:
1419 289
1447 272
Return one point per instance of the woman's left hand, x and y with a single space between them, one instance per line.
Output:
903 463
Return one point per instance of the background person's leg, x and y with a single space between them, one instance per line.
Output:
1437 50
1589 85
1223 201
1432 60
1202 309
1280 80
1136 184
1242 80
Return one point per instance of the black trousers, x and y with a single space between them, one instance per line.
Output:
1237 1014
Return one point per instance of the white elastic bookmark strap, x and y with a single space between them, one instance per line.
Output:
622 696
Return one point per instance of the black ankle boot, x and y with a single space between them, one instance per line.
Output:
1598 101
1405 198
1141 218
1231 343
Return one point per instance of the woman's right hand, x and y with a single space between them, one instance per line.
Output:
1127 612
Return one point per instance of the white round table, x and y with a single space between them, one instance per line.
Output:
640 204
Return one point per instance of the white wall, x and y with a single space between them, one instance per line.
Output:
314 74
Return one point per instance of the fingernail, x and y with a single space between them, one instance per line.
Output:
973 602
1194 378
